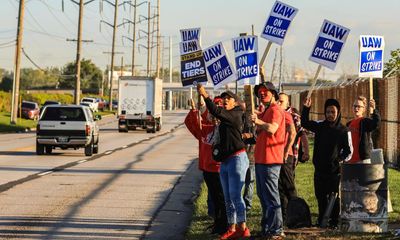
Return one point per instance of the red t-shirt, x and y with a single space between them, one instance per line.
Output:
269 147
354 128
206 134
288 122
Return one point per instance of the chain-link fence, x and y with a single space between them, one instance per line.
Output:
386 95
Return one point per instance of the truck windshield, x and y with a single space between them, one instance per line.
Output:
63 114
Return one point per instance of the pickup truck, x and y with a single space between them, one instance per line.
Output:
94 105
67 126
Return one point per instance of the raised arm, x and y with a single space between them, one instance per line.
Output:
305 117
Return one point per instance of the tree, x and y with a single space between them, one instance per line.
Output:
6 80
91 76
393 63
37 78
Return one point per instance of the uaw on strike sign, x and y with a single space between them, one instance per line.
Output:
371 56
245 48
329 44
192 63
219 68
278 22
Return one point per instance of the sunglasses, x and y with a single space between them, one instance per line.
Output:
358 106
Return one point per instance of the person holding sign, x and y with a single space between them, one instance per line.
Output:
332 145
361 128
268 155
210 168
234 160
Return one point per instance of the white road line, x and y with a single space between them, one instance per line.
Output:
82 161
44 173
124 146
108 152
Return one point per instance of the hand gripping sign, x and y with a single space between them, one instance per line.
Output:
192 62
245 48
371 56
277 25
219 69
327 48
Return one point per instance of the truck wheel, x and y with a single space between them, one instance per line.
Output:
49 149
89 149
39 149
96 146
158 128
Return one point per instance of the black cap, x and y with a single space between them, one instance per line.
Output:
267 85
230 94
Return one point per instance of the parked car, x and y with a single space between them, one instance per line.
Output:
101 104
67 126
29 110
93 103
49 102
114 104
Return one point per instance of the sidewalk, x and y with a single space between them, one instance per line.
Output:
175 214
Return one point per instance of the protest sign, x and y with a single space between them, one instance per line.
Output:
190 34
371 56
218 67
192 62
245 48
278 22
329 44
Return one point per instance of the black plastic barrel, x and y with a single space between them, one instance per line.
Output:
364 198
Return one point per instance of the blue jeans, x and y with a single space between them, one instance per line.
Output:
232 174
267 177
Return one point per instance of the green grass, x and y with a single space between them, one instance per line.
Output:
21 125
304 184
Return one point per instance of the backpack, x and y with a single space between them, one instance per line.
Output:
298 213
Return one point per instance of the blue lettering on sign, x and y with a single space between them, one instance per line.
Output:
220 70
371 42
246 65
190 46
243 44
190 35
283 10
334 30
276 27
327 49
212 53
371 61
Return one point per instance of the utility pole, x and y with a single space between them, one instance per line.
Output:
15 97
134 22
158 40
169 98
114 26
148 41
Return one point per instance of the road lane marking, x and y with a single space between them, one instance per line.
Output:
108 152
44 173
21 149
82 161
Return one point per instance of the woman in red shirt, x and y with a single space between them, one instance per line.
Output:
361 128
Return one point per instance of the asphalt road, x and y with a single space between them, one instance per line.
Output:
135 188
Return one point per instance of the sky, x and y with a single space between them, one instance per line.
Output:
47 26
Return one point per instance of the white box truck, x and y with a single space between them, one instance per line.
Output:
139 103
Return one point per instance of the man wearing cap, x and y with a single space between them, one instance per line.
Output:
234 160
268 155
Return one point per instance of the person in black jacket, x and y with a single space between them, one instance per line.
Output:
234 160
361 128
332 144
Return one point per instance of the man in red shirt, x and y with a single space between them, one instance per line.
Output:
269 154
287 187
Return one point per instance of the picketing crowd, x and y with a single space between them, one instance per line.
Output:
239 148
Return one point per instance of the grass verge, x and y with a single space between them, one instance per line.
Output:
21 125
304 184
